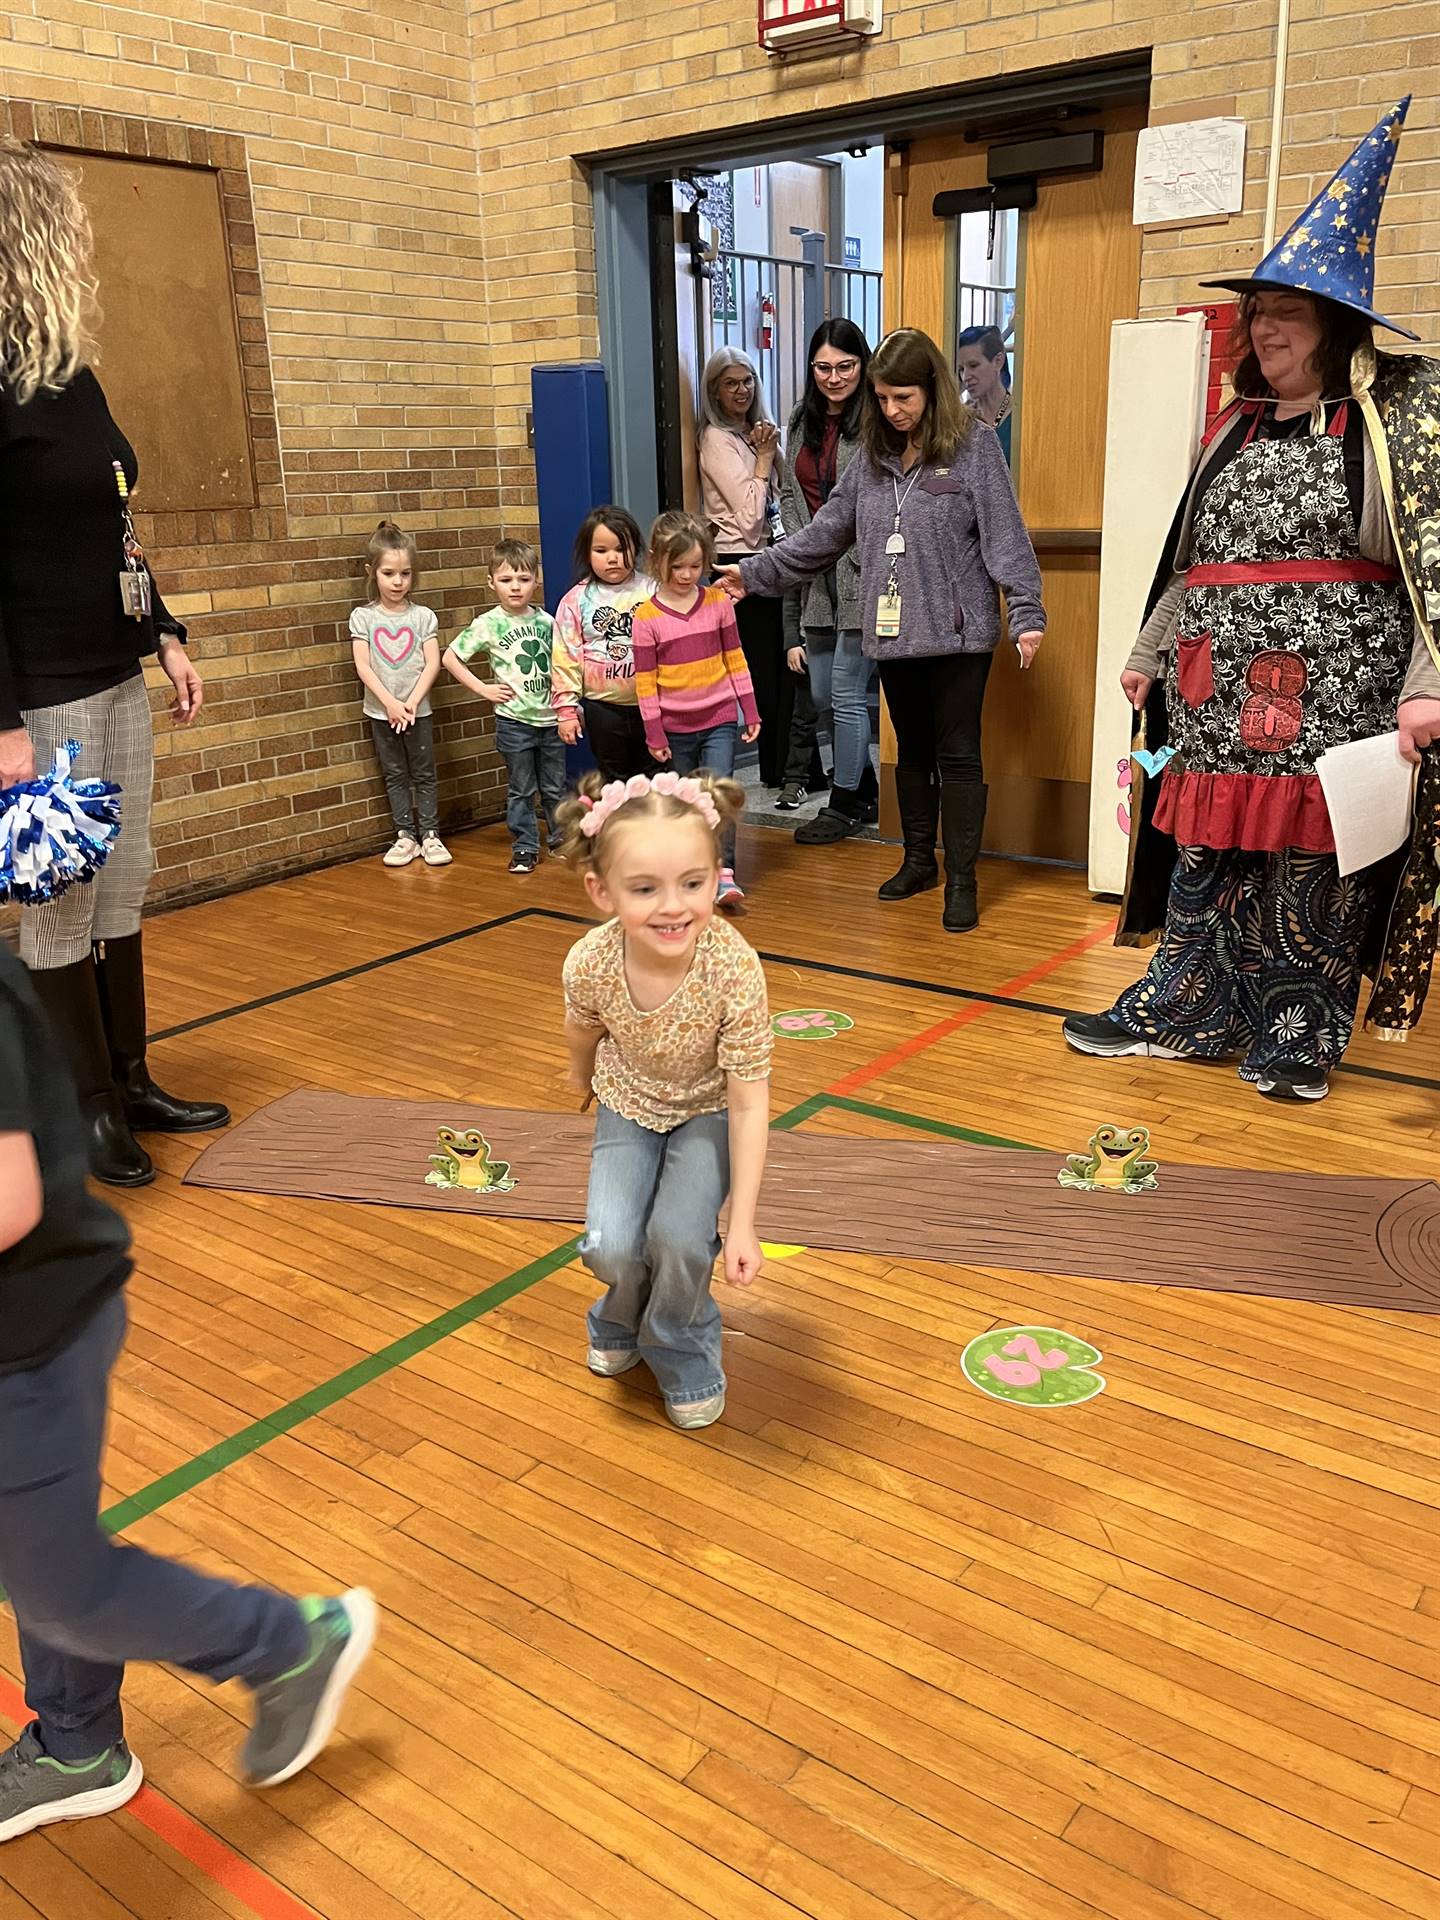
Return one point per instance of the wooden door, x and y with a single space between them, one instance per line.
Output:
800 196
1079 271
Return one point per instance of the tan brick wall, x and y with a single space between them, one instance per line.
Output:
422 234
363 308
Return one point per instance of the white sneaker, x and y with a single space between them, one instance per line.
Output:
403 852
690 1414
608 1361
434 852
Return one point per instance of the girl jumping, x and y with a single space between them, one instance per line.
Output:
667 1023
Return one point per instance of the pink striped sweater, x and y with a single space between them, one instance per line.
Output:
690 674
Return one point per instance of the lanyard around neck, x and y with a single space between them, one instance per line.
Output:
901 498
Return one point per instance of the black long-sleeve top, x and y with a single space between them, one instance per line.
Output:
63 631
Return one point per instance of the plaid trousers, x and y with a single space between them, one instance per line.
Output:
116 742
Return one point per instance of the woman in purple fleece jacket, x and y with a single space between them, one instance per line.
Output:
930 510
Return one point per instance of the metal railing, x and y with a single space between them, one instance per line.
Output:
978 305
769 306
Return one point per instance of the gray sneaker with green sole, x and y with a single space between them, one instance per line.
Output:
296 1714
36 1790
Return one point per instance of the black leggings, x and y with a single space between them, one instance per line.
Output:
935 707
617 739
761 620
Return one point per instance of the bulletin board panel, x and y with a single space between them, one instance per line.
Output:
168 337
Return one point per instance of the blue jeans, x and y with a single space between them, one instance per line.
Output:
85 1605
535 762
713 751
842 679
651 1239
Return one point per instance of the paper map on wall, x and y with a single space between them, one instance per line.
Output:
1193 170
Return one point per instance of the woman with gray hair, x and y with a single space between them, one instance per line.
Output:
79 613
739 453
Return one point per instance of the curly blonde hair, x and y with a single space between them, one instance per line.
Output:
47 281
587 851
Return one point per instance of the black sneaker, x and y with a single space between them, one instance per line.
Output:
791 797
1098 1034
1294 1080
523 860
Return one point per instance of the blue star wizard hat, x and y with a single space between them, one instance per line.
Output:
1330 250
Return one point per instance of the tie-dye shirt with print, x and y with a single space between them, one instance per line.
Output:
594 656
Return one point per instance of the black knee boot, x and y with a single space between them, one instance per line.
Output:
72 1006
919 797
120 975
962 822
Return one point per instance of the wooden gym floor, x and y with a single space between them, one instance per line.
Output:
876 1645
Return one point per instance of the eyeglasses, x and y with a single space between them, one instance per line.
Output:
834 369
740 385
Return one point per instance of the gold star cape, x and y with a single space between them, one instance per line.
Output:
1399 396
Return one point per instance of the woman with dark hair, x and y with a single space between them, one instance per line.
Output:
931 513
79 615
984 369
1283 624
740 482
822 619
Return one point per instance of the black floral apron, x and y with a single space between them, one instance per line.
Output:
1289 642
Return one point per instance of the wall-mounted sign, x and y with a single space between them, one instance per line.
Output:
1194 170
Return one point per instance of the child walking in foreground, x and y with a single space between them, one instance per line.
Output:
593 681
690 673
517 639
396 648
667 1023
83 1603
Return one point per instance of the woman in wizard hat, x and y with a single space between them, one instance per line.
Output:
1292 613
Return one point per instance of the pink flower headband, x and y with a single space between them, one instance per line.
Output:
613 797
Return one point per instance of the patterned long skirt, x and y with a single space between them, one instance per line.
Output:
1260 956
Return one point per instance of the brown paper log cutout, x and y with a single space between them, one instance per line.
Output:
1302 1236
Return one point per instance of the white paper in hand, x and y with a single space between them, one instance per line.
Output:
1368 789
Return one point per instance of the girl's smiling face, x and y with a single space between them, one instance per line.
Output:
610 562
658 880
393 574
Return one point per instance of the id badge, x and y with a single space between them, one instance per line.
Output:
887 617
135 594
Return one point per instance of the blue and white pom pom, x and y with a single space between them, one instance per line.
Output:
55 831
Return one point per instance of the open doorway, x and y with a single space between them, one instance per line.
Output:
997 203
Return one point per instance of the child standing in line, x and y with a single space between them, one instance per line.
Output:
518 638
690 672
667 1023
84 1603
396 648
593 682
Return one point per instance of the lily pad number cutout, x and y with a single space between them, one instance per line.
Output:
1033 1366
810 1023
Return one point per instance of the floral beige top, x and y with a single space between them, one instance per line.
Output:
665 1067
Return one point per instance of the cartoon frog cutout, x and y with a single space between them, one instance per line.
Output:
1114 1163
464 1162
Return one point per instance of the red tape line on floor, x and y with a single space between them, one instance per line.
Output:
189 1839
917 1043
